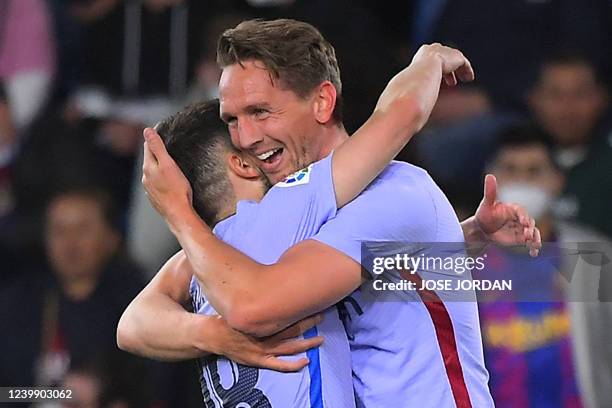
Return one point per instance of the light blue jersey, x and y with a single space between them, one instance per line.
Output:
290 212
407 353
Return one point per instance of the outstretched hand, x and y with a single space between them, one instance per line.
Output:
506 223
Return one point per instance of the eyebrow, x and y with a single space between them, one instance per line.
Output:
248 109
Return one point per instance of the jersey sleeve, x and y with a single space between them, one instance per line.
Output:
303 202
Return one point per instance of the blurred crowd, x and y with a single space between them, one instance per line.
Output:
79 79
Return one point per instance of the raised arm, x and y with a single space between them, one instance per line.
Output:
402 110
156 325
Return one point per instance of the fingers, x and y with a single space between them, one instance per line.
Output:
490 189
526 223
533 238
465 73
291 347
299 328
149 157
528 226
455 65
154 143
530 233
536 245
276 364
450 79
459 66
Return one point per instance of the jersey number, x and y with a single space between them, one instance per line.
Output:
241 394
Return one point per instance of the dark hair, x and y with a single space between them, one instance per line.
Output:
100 196
293 51
197 139
121 376
525 135
572 57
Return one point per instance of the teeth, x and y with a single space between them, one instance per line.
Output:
267 154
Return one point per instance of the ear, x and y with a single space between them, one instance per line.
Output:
241 167
324 102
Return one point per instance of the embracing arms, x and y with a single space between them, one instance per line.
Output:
156 325
261 299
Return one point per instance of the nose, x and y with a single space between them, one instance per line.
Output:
248 134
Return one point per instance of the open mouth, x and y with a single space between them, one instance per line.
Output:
271 156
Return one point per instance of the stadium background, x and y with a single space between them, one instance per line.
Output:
79 79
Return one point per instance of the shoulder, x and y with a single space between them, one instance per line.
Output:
402 178
401 186
308 177
398 205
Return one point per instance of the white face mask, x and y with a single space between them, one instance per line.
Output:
536 200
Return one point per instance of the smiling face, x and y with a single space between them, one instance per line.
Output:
271 123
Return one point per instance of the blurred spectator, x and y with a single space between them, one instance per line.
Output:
569 101
27 61
207 73
455 152
95 140
134 47
69 314
550 348
72 18
506 40
108 381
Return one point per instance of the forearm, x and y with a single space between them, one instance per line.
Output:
402 110
229 278
157 327
263 299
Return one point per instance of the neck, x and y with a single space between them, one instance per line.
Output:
252 189
336 135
